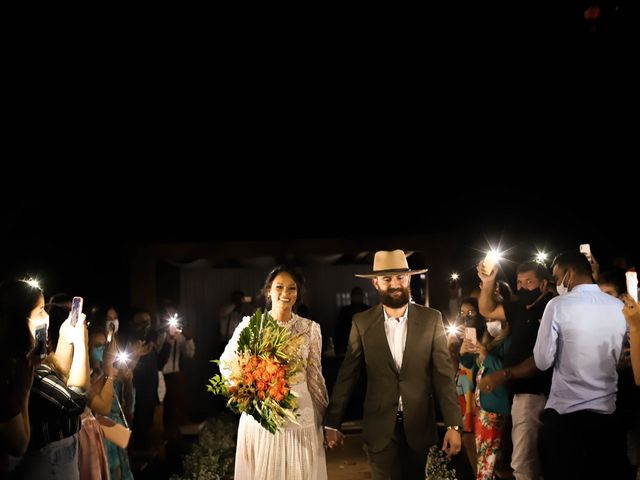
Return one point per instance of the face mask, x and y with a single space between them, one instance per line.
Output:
527 297
97 354
113 325
560 287
494 328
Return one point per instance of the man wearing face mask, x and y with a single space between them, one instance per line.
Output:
581 337
528 386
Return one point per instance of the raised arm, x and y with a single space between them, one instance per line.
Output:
631 313
487 304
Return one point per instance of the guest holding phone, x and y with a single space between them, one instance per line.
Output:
18 303
58 397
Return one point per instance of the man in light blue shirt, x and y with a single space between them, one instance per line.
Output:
580 335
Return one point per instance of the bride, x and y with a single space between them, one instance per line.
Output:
294 452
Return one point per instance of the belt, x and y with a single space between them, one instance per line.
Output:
399 416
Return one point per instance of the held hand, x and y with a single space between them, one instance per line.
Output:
631 312
333 438
452 443
108 359
489 382
468 347
74 335
487 279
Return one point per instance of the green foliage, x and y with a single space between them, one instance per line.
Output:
438 465
258 374
212 456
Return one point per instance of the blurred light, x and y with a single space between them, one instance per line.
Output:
33 283
174 320
452 329
494 255
541 257
122 357
454 276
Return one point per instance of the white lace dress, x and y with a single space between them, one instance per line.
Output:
295 452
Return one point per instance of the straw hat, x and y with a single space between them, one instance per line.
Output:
390 263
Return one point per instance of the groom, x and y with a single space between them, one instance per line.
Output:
403 348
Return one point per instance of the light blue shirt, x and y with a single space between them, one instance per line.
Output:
581 335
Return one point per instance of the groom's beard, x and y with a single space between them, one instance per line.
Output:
395 301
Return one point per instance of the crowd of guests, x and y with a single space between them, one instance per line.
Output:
558 363
63 383
552 370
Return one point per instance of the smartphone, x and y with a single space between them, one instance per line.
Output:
632 285
41 341
585 249
76 310
470 334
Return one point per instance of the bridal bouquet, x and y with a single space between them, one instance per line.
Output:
438 466
259 373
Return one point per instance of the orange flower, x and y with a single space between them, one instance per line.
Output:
261 386
271 368
251 364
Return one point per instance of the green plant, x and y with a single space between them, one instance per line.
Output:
212 455
438 465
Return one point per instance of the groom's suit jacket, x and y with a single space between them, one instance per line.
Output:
426 371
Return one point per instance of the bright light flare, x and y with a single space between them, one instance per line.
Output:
33 283
453 330
122 358
492 257
541 257
174 320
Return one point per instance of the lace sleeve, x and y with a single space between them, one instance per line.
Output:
315 380
229 353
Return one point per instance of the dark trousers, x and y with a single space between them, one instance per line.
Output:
397 461
142 425
173 412
584 445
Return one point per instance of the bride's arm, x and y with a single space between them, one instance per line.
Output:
315 380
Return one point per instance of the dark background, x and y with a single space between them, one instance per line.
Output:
446 77
86 244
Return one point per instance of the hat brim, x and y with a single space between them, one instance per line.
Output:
383 273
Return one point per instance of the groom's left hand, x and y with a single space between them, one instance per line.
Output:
452 443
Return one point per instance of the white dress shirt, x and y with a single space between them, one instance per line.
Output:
396 330
181 347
